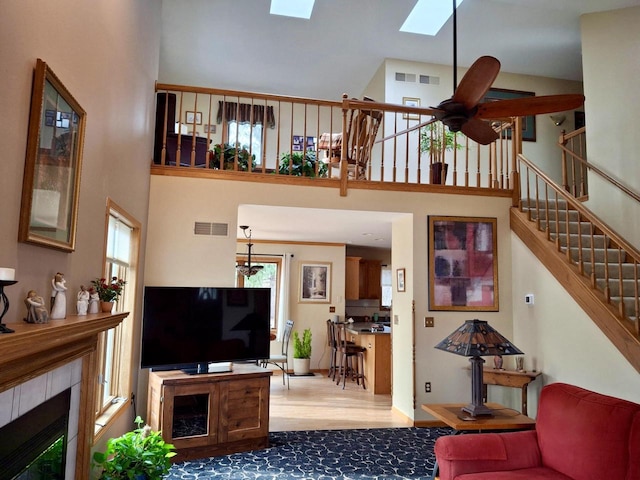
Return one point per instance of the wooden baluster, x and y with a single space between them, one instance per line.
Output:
607 290
636 300
466 161
622 307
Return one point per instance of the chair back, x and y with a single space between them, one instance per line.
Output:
361 134
286 336
331 337
340 332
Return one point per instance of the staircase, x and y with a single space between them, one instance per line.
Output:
597 267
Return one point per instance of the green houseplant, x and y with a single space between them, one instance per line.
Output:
227 152
436 139
302 352
139 454
301 164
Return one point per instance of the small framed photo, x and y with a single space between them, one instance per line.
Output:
315 282
209 128
297 143
193 117
411 102
400 273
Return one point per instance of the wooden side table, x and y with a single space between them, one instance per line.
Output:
508 378
503 419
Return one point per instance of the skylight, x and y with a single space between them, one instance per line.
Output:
428 16
292 8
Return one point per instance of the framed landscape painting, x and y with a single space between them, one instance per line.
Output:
463 264
315 282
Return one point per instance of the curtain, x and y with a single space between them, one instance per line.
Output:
245 113
285 287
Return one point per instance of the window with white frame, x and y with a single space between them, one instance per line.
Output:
115 346
247 136
268 277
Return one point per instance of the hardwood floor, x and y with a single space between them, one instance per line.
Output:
317 403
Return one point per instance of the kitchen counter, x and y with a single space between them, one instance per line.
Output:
377 358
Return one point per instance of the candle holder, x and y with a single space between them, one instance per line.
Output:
5 302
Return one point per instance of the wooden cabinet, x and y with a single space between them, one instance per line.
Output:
362 279
211 414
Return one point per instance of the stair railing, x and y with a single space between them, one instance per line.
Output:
552 208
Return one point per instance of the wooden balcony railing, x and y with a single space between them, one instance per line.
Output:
275 135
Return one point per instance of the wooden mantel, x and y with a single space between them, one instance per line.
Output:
35 349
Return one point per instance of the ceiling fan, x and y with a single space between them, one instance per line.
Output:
466 112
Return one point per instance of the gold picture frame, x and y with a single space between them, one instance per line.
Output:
53 164
463 264
315 282
411 102
400 279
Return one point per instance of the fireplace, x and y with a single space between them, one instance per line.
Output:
34 445
40 361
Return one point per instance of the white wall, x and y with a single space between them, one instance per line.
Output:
558 337
610 58
106 53
176 257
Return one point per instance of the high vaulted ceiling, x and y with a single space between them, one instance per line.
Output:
237 44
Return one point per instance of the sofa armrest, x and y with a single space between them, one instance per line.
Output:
486 452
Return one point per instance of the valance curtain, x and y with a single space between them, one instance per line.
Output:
246 113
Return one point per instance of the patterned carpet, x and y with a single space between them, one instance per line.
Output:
381 454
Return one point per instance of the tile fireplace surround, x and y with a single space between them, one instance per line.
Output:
40 360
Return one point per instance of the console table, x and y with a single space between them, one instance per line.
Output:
508 378
206 415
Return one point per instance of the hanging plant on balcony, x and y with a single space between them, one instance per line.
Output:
227 152
301 164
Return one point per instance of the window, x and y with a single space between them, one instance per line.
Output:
268 277
247 136
115 345
387 291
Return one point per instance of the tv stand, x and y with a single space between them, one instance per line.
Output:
211 414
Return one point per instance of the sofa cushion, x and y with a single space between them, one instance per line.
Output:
585 435
540 473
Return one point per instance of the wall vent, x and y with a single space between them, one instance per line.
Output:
405 77
429 80
214 229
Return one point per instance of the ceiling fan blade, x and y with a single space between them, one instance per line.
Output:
520 107
479 131
407 130
477 81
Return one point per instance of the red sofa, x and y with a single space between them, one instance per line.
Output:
579 435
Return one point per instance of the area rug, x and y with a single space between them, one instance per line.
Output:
380 454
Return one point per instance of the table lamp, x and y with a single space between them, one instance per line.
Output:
477 339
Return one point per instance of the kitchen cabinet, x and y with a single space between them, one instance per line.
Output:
363 279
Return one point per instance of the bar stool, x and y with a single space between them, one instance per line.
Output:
331 341
351 358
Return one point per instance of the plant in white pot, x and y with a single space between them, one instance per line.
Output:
302 352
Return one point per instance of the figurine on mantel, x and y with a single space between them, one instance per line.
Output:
59 296
83 301
36 309
94 301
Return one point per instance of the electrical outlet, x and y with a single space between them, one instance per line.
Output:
395 319
429 321
427 387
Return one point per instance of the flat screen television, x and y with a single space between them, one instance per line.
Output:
190 328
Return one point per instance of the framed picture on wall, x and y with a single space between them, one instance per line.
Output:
193 117
463 264
528 123
400 272
315 282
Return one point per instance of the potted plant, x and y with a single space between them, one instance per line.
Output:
436 139
139 454
301 164
108 291
302 352
227 152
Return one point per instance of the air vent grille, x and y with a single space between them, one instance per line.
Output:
405 77
213 229
428 79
